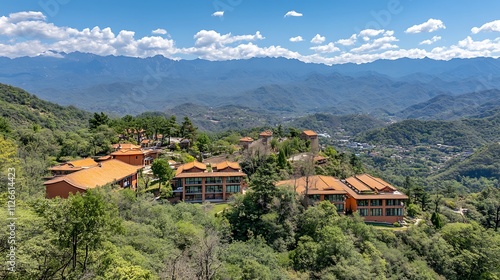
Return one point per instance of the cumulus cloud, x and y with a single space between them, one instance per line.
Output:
30 15
348 42
382 43
318 39
430 41
296 39
490 26
429 26
159 31
218 14
212 38
329 48
292 14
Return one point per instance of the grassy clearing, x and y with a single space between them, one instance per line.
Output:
219 207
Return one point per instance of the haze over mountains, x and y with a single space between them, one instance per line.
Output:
403 88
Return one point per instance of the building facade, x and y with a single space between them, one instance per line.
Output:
197 182
372 198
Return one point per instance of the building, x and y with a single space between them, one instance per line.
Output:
197 182
72 166
125 146
107 172
312 137
266 136
135 156
320 188
374 199
245 142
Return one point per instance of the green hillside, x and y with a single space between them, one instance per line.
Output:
483 163
465 133
21 108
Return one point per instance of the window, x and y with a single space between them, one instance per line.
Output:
394 202
233 179
376 212
394 212
193 197
362 202
193 189
213 180
376 202
314 197
193 181
363 212
334 197
213 189
213 196
340 207
233 188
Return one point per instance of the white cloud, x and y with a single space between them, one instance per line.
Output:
292 14
429 26
490 26
296 39
430 41
211 37
382 43
22 16
347 42
329 48
371 32
159 31
218 14
318 39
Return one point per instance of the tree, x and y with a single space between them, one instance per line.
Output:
161 170
188 130
81 223
98 120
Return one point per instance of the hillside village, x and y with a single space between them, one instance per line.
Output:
217 179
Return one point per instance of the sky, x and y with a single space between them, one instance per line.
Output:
323 31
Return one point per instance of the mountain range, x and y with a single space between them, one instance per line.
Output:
284 87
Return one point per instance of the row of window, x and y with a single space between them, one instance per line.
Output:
213 189
334 197
198 197
378 202
378 212
212 180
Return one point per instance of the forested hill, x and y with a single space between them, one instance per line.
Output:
21 108
466 133
483 163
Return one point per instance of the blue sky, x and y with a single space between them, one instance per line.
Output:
329 32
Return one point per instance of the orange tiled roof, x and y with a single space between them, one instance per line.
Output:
104 158
374 183
126 146
190 165
310 133
393 195
75 164
358 185
210 174
246 139
123 152
108 172
226 164
318 184
266 133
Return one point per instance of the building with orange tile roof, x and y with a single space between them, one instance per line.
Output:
107 172
194 182
373 198
312 137
125 146
135 156
72 166
319 188
245 142
266 136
